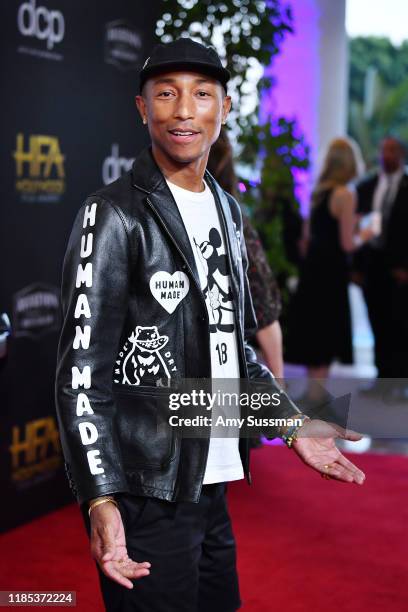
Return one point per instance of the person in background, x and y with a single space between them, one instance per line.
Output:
381 265
263 286
319 322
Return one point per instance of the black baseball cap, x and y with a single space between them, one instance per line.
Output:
184 54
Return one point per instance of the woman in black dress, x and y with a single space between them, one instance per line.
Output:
319 328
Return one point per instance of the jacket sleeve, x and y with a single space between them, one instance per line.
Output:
94 302
256 370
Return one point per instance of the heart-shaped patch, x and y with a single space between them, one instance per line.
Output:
169 289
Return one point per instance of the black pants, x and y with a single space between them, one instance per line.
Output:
387 305
191 549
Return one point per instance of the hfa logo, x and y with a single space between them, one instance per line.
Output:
113 166
123 44
35 450
44 25
39 168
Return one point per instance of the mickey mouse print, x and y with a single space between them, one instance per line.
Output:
217 289
201 220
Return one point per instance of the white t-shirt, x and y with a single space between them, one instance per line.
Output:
200 216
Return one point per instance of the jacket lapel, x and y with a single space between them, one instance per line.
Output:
148 178
166 209
224 211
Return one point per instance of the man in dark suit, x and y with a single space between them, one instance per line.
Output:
382 263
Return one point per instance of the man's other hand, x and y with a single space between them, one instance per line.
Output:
316 447
108 546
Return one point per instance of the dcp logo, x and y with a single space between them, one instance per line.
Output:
114 165
41 23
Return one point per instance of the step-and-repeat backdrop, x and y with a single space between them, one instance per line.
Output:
69 125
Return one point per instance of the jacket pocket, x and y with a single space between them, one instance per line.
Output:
151 389
146 438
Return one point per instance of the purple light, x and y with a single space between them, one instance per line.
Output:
241 187
296 93
273 442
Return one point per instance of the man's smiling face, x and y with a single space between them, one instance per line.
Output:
184 113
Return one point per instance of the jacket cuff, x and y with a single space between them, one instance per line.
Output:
108 488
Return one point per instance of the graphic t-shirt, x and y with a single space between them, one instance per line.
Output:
200 216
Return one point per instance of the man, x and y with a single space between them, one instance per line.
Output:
382 264
154 288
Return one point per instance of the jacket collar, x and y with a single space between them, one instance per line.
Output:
146 174
147 177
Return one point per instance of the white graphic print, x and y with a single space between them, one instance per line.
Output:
217 290
237 232
238 235
83 379
169 289
143 357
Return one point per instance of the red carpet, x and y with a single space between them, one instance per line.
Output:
304 544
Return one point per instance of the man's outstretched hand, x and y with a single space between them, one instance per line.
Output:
316 447
108 546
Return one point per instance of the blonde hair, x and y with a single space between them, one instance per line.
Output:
343 163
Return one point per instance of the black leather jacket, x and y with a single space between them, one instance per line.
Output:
123 235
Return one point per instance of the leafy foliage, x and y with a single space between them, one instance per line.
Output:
272 197
238 30
378 92
247 35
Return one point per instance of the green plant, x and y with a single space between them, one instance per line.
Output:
247 35
378 93
238 30
272 198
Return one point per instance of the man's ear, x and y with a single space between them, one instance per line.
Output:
226 107
141 107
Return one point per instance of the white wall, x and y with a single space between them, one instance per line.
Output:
333 54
